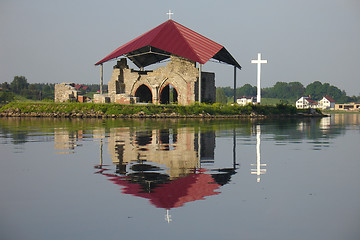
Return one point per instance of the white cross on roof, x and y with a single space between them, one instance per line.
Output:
170 13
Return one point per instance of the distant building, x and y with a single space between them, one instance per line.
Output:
348 106
327 103
81 87
306 102
245 100
65 92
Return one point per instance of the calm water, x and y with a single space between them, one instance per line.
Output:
115 179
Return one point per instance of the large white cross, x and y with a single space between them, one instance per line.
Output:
170 13
259 61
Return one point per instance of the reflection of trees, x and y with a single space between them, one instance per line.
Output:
18 137
22 130
295 129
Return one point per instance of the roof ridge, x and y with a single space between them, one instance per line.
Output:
176 24
161 26
177 39
200 52
158 29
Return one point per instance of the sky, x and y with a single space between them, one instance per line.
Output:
305 41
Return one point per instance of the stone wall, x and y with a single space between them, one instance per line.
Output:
208 89
101 98
116 84
65 92
153 86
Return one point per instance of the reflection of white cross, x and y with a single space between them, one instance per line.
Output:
169 13
168 216
259 61
258 171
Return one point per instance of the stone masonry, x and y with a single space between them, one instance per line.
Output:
176 82
65 92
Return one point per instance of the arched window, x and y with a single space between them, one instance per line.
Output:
168 95
144 94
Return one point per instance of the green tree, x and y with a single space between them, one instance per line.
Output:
6 96
246 90
5 86
297 90
317 90
281 90
18 84
220 96
314 90
229 92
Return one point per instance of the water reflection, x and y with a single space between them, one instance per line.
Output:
22 130
171 163
259 170
165 166
66 141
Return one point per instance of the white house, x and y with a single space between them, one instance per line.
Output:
245 100
327 103
306 102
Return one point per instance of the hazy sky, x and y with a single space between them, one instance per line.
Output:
60 41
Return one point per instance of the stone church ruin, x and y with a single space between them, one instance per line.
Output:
181 81
177 82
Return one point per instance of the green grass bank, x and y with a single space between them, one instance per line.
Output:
50 109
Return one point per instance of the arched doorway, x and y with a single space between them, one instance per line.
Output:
144 94
168 95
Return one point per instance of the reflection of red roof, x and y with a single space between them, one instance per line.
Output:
171 37
175 193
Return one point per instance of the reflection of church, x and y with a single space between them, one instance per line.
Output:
176 149
169 167
65 141
165 166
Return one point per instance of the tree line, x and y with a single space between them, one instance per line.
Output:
20 86
281 90
287 91
32 91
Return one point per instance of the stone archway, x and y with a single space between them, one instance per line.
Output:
168 94
144 94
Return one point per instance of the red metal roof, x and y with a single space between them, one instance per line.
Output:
330 99
171 38
173 194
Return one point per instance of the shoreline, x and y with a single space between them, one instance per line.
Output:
206 111
155 116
